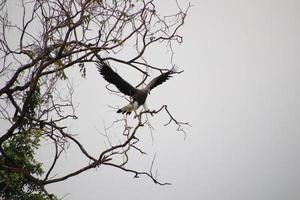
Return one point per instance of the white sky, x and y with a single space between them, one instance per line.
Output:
241 93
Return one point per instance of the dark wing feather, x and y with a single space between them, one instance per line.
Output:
160 79
112 77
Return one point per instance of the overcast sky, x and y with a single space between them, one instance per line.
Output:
240 92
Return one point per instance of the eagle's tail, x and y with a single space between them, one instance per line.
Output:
128 109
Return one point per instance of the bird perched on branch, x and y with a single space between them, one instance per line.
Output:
138 96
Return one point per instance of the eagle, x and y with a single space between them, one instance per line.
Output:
138 96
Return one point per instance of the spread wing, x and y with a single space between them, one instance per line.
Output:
112 77
160 79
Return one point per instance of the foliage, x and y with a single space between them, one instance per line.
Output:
20 151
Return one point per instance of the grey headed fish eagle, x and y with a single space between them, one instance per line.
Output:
138 96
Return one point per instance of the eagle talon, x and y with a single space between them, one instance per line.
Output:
152 112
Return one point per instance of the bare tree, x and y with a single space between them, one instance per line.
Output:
55 35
